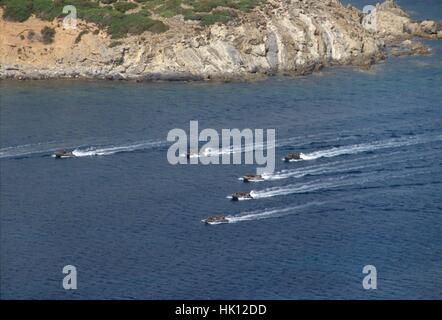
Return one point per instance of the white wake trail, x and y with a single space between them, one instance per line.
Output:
49 147
332 152
29 149
105 151
371 146
269 213
307 187
255 146
331 183
337 166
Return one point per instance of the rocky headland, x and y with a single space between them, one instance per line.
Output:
290 37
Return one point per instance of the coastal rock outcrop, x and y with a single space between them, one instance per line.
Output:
389 21
277 37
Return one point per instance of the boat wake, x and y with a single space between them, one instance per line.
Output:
84 151
330 183
105 151
306 187
87 151
251 147
269 213
27 150
327 153
371 146
352 165
320 170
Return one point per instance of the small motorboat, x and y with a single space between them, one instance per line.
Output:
293 156
252 177
241 196
192 154
216 220
63 154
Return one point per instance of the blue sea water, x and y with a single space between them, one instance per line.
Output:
131 223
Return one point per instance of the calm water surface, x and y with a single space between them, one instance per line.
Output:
130 222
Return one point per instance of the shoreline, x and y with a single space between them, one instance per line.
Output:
421 51
39 75
280 38
195 78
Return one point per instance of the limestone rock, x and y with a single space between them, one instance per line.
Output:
286 37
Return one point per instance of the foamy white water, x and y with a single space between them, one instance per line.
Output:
49 147
370 146
327 153
29 149
105 151
372 161
330 183
269 213
307 187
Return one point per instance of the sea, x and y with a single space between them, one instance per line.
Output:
368 193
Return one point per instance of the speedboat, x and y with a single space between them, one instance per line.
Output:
241 196
192 154
252 177
216 220
63 154
293 156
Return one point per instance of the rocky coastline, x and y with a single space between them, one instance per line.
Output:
293 37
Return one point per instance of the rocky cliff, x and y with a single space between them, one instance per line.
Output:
276 37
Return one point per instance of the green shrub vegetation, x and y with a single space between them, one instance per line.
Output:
204 10
111 14
221 16
108 1
47 35
17 10
123 6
